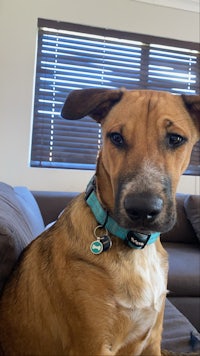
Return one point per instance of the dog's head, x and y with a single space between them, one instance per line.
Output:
148 137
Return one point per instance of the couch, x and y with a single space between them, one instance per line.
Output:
24 214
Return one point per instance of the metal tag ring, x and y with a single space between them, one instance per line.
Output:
100 227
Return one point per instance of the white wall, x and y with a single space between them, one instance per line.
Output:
18 31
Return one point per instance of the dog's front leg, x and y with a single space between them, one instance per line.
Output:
153 347
94 351
106 351
136 349
152 350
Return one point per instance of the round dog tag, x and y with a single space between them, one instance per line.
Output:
106 241
96 247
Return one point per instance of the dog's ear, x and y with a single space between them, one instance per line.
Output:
192 104
92 102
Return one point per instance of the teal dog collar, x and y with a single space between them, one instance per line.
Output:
133 239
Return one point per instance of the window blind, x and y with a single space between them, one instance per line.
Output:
73 57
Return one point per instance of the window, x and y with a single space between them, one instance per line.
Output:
75 57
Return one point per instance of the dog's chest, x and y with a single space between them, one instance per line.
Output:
141 290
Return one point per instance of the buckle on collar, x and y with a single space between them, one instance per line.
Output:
137 240
90 187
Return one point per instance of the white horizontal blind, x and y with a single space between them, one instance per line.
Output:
173 69
69 60
76 57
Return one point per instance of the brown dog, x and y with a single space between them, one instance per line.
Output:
84 289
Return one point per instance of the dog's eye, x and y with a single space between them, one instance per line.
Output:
117 139
175 140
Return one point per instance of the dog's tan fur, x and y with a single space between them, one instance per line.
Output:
62 299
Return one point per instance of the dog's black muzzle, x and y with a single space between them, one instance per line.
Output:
144 207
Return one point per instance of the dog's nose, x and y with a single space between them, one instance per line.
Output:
143 206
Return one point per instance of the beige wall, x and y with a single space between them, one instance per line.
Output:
18 31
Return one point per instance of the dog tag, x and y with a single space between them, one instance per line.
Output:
106 241
102 243
96 247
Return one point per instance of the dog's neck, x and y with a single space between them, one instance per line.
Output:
133 239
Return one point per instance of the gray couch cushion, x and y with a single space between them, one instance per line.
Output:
30 209
184 267
192 208
7 256
183 230
177 331
20 223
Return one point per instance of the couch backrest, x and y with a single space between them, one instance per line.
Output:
52 203
183 230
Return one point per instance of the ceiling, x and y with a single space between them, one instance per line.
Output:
189 5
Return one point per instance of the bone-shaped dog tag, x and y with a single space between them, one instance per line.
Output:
96 247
